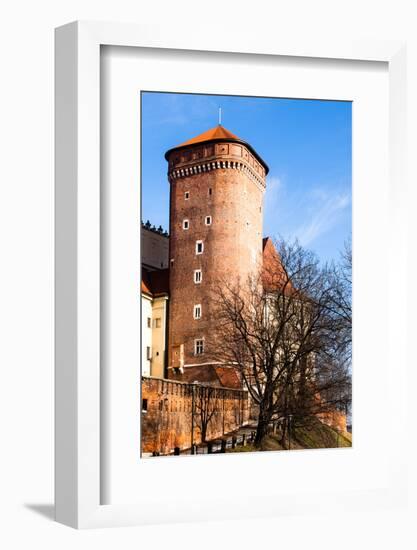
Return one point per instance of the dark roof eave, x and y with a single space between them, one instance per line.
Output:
161 294
221 140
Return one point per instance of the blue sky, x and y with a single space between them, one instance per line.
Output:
306 144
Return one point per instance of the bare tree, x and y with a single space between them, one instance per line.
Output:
206 406
341 303
281 330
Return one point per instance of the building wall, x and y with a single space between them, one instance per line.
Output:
146 304
154 249
173 413
159 330
232 243
154 336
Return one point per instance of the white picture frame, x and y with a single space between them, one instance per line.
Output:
78 405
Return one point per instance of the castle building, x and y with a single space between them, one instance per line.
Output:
217 185
154 247
154 303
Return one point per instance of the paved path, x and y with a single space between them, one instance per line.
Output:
242 436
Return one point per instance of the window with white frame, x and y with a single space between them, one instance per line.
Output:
186 195
199 247
198 276
199 346
185 224
208 220
197 311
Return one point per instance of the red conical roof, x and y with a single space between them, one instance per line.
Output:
218 133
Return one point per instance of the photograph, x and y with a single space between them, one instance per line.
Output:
246 274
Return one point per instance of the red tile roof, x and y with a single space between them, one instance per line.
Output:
160 281
155 283
273 273
229 377
146 283
215 375
218 133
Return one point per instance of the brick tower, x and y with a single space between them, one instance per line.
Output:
216 209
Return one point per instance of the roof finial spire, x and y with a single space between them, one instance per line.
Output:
220 116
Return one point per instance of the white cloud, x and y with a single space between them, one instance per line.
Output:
326 209
274 184
274 189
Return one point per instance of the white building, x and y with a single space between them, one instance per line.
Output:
154 300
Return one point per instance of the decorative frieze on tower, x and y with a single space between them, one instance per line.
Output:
216 209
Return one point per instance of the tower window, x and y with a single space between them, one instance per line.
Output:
185 224
199 247
199 346
148 353
186 195
208 220
197 311
144 405
157 322
198 276
149 322
210 192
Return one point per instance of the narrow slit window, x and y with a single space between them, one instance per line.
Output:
208 220
198 276
210 191
144 405
185 224
186 195
199 247
197 311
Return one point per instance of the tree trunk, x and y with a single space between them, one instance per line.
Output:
283 433
203 433
262 427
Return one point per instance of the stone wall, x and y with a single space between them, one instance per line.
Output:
154 249
174 414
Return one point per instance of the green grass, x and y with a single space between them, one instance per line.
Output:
271 443
317 435
314 435
268 444
245 449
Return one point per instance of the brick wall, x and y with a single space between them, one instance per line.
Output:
176 411
232 242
